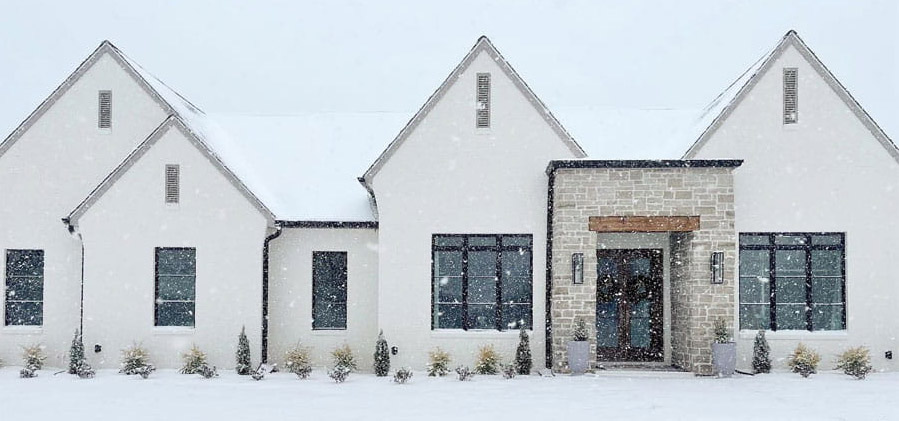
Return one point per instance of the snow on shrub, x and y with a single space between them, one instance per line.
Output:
722 334
194 360
136 360
33 357
242 357
343 357
207 372
402 375
382 356
523 359
339 373
761 361
78 364
580 330
855 362
488 360
464 373
439 363
509 371
259 373
804 360
297 361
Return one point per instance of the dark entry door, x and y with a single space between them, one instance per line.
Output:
629 305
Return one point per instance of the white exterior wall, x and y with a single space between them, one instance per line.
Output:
123 228
449 177
827 173
49 170
290 294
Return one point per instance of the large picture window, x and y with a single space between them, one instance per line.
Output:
329 286
24 288
176 286
792 281
481 281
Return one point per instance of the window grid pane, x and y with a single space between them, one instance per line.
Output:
24 288
796 281
482 281
176 283
329 290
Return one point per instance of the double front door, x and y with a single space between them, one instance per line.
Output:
629 305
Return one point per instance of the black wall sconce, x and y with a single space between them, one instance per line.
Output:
577 268
98 348
394 350
716 264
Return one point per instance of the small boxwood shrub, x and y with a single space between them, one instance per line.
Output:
339 373
402 375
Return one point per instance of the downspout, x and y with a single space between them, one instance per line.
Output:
549 266
71 229
265 257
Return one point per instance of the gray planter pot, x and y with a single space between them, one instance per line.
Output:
578 354
724 358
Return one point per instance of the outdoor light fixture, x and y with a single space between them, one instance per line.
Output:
717 266
577 268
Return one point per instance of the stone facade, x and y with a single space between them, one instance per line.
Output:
674 190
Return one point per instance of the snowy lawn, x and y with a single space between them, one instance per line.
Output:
609 395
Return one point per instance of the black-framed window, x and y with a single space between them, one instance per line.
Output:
793 281
176 286
24 288
481 281
329 287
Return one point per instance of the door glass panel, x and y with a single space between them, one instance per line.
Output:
607 324
640 324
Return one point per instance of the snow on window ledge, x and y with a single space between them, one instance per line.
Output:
478 333
22 330
329 332
173 330
822 335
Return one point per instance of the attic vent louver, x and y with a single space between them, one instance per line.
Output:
791 95
483 94
172 183
105 106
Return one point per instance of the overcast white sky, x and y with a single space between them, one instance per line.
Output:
291 56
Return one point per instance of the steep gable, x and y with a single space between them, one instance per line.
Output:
723 106
171 123
483 45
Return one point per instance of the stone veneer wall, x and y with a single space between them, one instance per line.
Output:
707 192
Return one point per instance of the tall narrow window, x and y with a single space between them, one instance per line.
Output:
483 94
791 95
481 281
176 286
329 279
105 107
172 183
24 287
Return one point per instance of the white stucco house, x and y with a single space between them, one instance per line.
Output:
136 217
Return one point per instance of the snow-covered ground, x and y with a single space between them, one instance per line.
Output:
609 395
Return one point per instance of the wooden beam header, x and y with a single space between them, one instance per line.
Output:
644 223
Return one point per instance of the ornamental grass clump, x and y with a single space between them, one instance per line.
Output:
136 360
194 360
343 357
761 361
33 360
855 362
438 365
488 361
804 360
298 362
